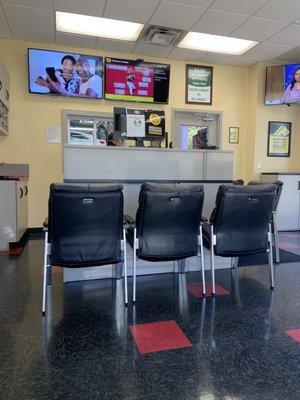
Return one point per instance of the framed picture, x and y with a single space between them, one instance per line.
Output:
198 84
234 134
279 139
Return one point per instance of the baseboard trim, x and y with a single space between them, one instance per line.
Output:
30 234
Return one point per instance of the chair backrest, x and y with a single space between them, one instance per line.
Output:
168 221
278 185
85 224
241 218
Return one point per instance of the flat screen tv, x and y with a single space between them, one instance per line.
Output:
283 84
131 80
65 74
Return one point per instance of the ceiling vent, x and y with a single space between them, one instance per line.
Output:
161 36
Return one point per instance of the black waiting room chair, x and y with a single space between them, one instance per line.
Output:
84 229
168 225
240 224
278 185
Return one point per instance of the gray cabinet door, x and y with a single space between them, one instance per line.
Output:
7 213
288 208
22 208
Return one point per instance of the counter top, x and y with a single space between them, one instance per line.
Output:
280 173
149 149
14 172
12 178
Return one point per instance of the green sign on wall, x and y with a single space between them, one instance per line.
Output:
198 85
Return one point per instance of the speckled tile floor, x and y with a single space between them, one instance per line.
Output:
84 348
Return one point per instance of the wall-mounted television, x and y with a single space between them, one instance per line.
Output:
139 81
65 74
283 84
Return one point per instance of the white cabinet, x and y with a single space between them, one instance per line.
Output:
13 211
4 100
289 204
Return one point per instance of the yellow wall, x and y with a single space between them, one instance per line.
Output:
264 114
29 114
236 93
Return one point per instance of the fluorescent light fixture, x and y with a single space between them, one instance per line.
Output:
216 43
96 26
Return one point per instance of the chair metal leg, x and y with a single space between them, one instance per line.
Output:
125 266
234 262
45 273
270 257
181 266
276 238
212 259
202 262
134 265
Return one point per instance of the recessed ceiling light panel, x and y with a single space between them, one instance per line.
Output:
216 43
96 26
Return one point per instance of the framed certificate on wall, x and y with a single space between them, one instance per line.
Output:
279 139
198 84
234 134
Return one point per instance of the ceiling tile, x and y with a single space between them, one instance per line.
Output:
219 58
115 45
2 17
176 15
292 55
5 32
75 40
266 51
87 7
258 29
151 50
280 10
218 22
289 36
239 6
185 54
29 17
31 3
245 61
200 3
130 10
33 35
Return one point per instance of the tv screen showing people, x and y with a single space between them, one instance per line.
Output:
65 74
283 84
131 80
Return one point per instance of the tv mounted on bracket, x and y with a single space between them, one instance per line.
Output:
282 84
65 74
139 81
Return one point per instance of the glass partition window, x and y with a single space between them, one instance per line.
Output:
89 131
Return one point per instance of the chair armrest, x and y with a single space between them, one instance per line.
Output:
128 221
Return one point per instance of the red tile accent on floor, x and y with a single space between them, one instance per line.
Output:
195 289
158 336
295 334
14 251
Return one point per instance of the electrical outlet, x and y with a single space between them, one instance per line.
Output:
259 165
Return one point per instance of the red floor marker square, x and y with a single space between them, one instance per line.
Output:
295 334
195 289
158 336
13 251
